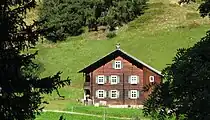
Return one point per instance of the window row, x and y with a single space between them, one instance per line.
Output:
114 94
117 64
115 79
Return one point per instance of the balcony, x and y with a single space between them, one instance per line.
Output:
86 85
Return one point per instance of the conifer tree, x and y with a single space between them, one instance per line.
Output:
20 90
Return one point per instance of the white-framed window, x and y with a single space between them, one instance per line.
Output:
117 64
101 94
100 79
151 78
114 94
133 79
133 94
114 79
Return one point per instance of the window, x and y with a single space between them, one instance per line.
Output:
114 94
100 79
152 78
118 65
101 94
133 79
114 79
133 94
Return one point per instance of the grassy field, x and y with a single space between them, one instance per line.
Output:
100 111
56 116
152 38
119 112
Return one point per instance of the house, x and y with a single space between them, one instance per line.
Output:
118 79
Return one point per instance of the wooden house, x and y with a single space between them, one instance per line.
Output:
118 79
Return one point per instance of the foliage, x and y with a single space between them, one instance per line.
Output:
68 17
204 8
186 91
114 12
185 94
111 34
186 1
20 94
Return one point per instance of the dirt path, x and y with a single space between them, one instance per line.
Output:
85 114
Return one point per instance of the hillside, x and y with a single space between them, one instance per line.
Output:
153 38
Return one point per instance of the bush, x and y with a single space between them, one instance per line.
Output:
111 35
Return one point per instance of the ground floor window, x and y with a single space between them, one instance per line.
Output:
114 94
101 93
133 94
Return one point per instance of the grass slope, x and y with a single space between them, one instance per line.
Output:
56 116
100 111
153 38
119 112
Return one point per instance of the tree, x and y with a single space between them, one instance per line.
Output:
186 92
204 8
66 17
115 13
20 90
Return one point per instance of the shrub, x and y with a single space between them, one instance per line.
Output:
111 35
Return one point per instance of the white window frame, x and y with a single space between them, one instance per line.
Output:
100 77
133 79
116 94
103 93
118 64
151 78
133 92
115 78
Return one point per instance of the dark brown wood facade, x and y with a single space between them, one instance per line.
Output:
129 68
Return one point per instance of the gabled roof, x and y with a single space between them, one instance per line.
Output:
113 55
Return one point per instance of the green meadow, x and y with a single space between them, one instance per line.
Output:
153 38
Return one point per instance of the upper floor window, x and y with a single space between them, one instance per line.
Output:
133 94
101 94
117 64
114 79
133 79
100 79
151 78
